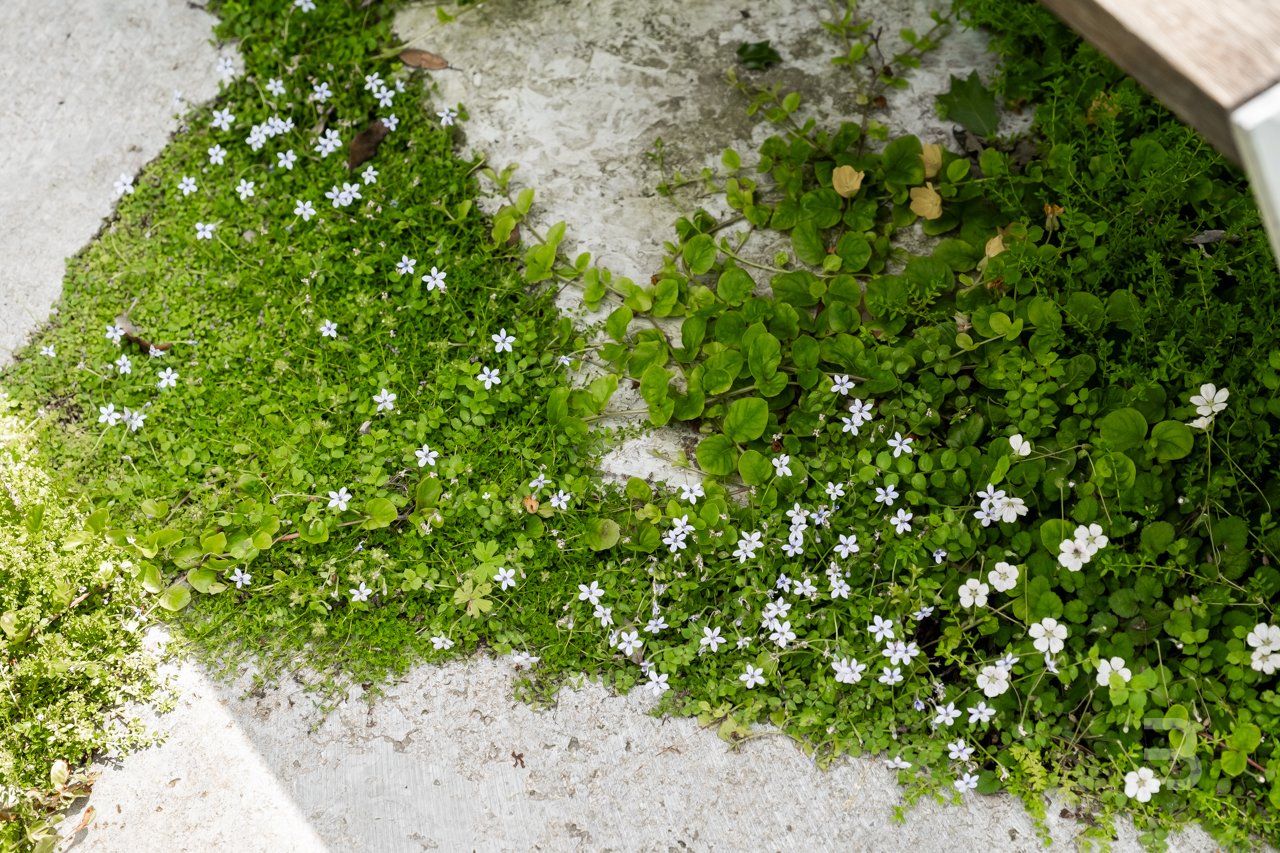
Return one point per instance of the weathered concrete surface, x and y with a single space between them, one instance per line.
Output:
429 765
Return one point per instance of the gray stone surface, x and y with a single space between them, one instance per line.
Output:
575 97
88 94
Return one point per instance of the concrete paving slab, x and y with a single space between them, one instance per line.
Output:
91 91
431 765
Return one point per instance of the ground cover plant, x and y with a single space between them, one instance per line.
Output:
1000 512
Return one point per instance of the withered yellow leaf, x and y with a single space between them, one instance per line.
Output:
926 202
995 246
847 180
530 503
932 156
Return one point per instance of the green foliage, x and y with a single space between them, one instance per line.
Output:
971 105
757 56
987 446
71 647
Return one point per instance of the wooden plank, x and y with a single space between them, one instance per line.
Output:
1202 59
1257 131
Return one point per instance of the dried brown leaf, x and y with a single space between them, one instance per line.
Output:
366 143
846 181
932 156
423 59
530 503
926 202
85 819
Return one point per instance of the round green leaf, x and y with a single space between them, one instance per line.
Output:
717 455
175 598
1123 429
699 253
735 286
1171 440
602 533
381 513
746 419
754 468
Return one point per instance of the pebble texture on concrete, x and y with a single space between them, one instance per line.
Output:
430 765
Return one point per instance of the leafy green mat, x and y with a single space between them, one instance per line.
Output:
1001 513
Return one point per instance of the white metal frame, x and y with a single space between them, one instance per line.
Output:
1256 126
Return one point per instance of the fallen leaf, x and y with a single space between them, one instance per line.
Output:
932 156
366 143
133 335
846 181
995 246
926 202
424 59
1204 237
530 503
85 819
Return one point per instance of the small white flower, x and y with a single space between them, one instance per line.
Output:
657 683
841 384
1071 555
967 782
973 593
276 86
134 420
782 465
168 378
560 500
752 677
748 543
329 329
361 593
881 628
993 680
1004 577
848 670
835 491
1019 445
245 189
656 625
48 351
338 500
890 675
241 578
1108 667
123 185
204 230
502 341
506 578
902 521
369 175
441 642
1210 401
447 116
538 482
1141 784
108 415
900 445
848 545
590 594
435 280
321 92
959 751
286 159
304 209
629 642
1049 635
406 265
782 634
489 376
385 399
222 119
114 333
886 495
711 639
187 185
981 713
217 154
897 763
426 456
226 69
